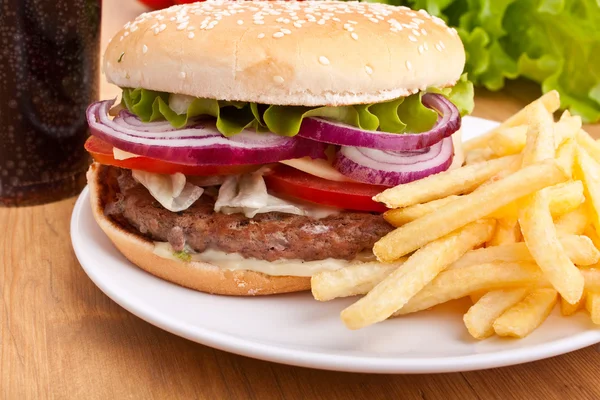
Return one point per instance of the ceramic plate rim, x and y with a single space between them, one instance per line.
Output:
284 355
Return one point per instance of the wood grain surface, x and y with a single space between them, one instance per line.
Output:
62 338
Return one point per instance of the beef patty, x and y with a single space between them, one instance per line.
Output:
269 236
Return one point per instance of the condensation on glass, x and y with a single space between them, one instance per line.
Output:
49 53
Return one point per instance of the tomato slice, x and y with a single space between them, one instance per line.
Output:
157 4
290 182
102 152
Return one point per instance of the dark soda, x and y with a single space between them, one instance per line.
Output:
49 54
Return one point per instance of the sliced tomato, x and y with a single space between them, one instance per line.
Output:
292 183
157 4
102 152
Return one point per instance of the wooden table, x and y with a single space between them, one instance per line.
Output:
61 337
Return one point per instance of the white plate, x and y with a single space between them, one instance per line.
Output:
295 329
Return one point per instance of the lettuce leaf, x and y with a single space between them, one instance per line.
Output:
405 114
553 42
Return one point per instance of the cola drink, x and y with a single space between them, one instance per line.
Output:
49 54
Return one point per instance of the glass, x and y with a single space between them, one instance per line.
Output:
49 53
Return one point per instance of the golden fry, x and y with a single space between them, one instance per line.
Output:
540 136
540 235
574 222
592 304
480 318
467 209
447 183
507 231
579 249
523 318
567 308
588 171
508 141
420 269
551 102
590 145
457 283
565 156
351 280
401 216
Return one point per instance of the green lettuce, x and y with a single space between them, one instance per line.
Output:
553 42
405 114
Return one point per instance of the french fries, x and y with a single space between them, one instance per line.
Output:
508 141
420 269
466 209
589 172
567 308
539 144
573 222
585 141
579 249
507 231
456 181
513 229
457 283
401 216
350 281
592 304
480 318
551 102
541 238
521 319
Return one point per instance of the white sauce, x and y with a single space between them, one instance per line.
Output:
235 262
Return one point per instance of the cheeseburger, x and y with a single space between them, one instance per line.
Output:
252 136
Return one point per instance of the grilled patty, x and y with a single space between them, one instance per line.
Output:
269 236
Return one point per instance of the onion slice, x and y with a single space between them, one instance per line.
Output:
390 168
322 130
197 144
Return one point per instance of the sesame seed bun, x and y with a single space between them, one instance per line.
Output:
200 276
286 53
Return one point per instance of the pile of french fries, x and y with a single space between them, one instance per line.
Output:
516 229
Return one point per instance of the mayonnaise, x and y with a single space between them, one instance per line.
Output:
235 262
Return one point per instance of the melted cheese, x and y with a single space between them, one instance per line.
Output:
235 262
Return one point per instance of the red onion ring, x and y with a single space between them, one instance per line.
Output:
389 168
322 130
200 145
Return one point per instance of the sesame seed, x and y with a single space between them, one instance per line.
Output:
297 24
240 22
191 35
182 75
368 69
421 49
416 32
408 65
412 38
121 39
126 34
261 35
286 31
156 31
354 36
133 28
423 31
352 22
259 22
182 26
321 22
426 46
278 79
162 27
144 49
324 60
278 35
438 47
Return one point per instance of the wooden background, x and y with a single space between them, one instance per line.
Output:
61 337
